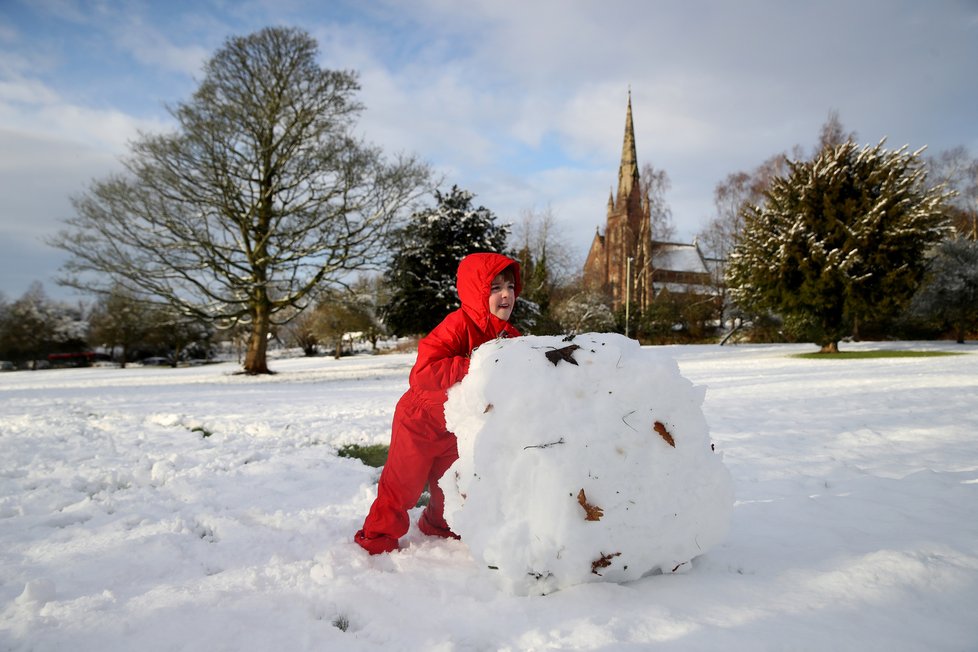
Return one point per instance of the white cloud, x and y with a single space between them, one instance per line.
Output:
38 175
152 47
25 91
31 107
7 34
524 103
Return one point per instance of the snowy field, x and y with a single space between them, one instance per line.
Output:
196 509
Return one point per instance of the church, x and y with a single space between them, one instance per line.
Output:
625 262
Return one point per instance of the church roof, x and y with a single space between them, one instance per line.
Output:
677 257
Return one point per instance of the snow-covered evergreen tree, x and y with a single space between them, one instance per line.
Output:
841 238
949 294
34 326
585 311
427 251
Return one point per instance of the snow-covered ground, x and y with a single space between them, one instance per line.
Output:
124 527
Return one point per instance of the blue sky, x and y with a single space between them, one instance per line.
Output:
520 101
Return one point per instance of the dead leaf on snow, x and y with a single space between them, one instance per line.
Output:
591 512
661 429
566 354
603 562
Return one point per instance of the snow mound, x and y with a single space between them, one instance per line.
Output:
581 459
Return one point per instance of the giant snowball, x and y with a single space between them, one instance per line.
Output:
580 460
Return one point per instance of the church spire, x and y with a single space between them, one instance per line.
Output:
628 170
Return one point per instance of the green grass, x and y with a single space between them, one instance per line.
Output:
374 455
862 355
204 432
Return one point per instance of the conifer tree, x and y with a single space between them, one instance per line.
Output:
421 277
840 238
949 295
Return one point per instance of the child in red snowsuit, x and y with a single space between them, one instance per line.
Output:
422 448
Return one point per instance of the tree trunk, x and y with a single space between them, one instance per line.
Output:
829 347
255 358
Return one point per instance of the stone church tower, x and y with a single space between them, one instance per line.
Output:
627 236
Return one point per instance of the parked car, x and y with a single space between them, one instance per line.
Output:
7 365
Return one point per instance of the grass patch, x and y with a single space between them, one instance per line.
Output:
864 355
374 455
204 432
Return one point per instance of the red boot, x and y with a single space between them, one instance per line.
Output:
426 526
376 545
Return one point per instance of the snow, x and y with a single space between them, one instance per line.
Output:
678 258
123 527
581 459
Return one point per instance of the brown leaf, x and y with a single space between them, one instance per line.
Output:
603 562
661 429
566 354
592 512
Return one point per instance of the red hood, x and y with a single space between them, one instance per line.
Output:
475 274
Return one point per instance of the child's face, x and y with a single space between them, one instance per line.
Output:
502 297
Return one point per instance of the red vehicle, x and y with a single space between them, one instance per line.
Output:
79 359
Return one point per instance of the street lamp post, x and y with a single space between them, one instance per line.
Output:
628 292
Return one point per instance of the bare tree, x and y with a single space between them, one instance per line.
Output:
301 332
369 293
539 233
337 317
548 266
120 320
655 184
260 195
731 197
959 172
832 133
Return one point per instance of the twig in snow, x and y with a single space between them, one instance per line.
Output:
625 422
547 445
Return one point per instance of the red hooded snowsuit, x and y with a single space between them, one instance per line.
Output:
422 448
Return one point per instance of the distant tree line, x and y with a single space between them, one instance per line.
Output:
783 273
263 216
37 331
